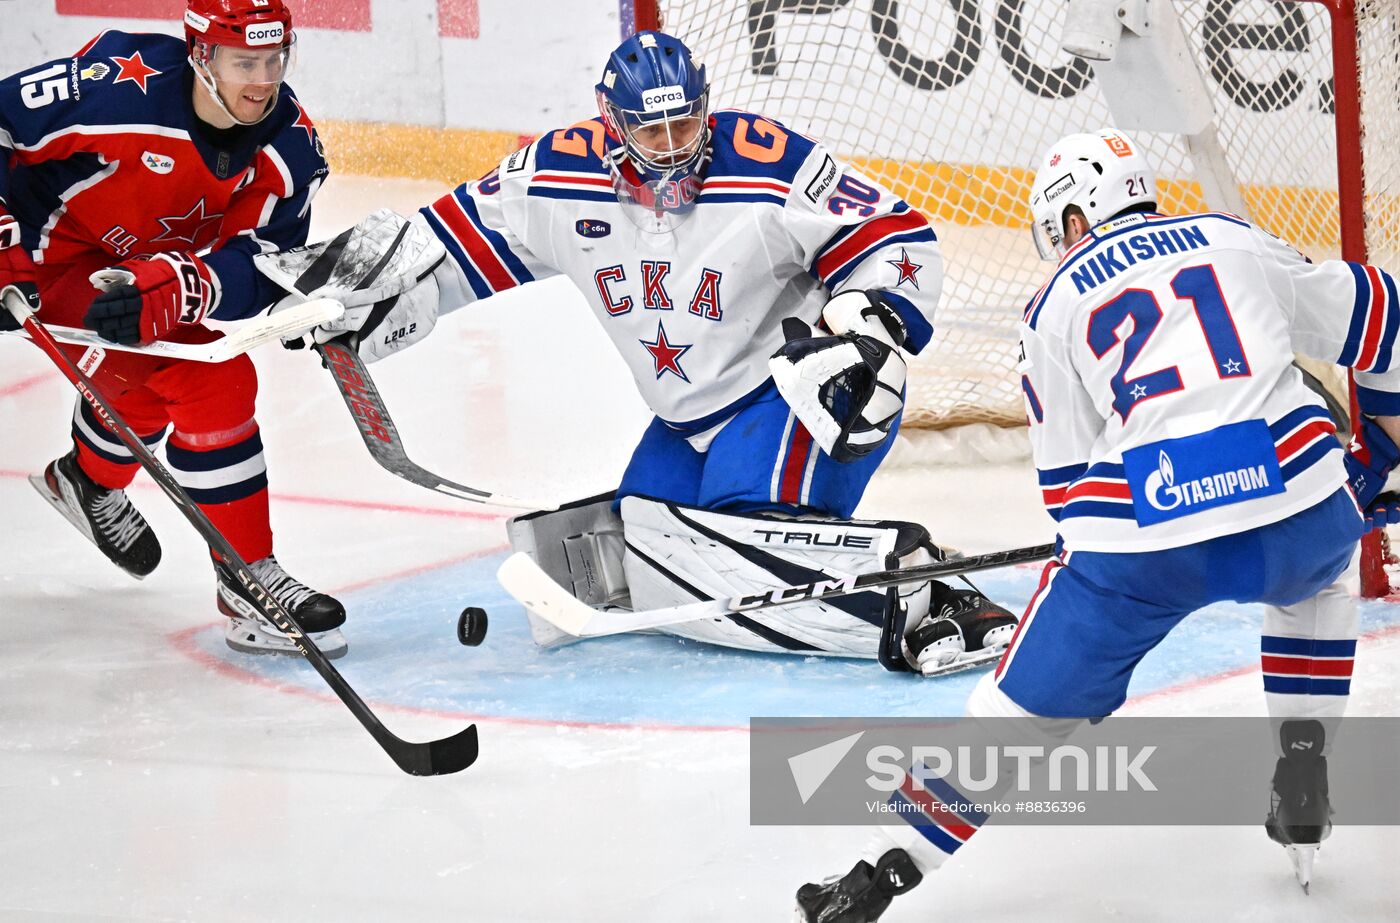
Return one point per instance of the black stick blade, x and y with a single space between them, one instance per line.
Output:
437 757
455 753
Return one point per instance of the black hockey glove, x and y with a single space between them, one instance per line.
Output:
847 387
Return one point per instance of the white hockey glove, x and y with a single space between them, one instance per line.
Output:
846 388
379 329
383 270
381 256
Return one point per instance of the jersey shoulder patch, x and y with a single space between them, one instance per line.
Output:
568 164
577 149
750 145
125 67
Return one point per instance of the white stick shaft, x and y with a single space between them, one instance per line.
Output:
241 336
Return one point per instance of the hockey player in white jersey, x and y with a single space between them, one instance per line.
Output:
1174 436
762 294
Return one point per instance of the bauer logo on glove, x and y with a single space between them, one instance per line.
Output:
847 387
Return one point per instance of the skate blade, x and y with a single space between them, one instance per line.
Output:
249 641
1302 858
973 661
77 519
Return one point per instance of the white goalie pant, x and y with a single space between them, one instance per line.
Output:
676 555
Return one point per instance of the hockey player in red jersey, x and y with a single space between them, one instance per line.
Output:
137 181
1186 463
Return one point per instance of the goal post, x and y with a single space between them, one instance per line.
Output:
950 102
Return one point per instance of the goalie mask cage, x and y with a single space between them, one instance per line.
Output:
949 103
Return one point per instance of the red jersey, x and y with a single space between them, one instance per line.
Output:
102 158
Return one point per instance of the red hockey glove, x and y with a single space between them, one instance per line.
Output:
16 268
143 299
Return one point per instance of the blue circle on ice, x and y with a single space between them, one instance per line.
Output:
404 651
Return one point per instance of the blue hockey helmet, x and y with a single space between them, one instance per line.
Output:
654 101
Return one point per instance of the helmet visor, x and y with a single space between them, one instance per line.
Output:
1049 238
232 65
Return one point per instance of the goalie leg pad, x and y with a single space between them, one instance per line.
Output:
677 554
580 546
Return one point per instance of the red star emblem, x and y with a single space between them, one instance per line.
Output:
135 70
304 123
188 228
666 356
908 269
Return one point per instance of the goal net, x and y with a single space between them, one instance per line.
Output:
950 102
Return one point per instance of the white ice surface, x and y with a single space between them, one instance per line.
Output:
142 778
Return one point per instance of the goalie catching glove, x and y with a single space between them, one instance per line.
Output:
846 388
386 270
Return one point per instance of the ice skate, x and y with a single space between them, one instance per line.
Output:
962 630
862 894
1300 812
249 632
105 516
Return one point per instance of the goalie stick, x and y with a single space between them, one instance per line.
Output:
437 757
342 358
240 336
527 582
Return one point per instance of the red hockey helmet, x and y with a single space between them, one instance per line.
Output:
240 43
241 23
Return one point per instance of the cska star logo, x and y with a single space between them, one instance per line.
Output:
908 269
133 69
190 227
665 355
304 122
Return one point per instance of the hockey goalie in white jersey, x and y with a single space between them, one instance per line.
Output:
709 246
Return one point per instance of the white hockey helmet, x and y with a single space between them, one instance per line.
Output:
1102 173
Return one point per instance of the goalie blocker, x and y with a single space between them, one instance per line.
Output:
653 555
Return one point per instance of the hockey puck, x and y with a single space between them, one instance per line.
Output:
471 626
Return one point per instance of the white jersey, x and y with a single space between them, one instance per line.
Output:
1163 404
778 226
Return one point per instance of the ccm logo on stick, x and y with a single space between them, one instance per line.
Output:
792 594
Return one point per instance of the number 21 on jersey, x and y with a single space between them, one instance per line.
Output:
1196 284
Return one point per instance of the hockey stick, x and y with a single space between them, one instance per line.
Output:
240 337
342 358
531 586
437 757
